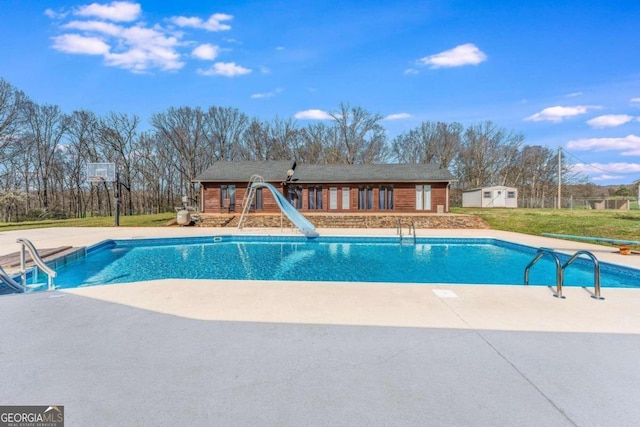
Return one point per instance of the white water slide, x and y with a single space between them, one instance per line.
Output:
303 224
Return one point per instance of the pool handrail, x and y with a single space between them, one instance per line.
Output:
542 252
596 271
38 261
6 278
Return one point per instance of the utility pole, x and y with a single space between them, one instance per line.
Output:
559 177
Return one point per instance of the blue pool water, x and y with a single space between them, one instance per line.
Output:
430 260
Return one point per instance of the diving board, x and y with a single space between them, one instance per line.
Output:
595 239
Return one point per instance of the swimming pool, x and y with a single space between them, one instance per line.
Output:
351 259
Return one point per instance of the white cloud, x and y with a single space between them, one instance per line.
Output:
410 72
628 145
107 30
635 101
398 116
55 15
206 52
557 114
313 115
574 94
613 170
96 27
214 23
74 43
120 11
135 48
267 94
465 54
280 48
610 120
227 69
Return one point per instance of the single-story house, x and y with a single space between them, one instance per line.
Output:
327 188
490 197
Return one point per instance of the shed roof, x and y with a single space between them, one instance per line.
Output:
492 187
225 171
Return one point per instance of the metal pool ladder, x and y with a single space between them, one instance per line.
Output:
542 252
560 268
596 271
412 226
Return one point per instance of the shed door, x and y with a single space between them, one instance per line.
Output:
499 198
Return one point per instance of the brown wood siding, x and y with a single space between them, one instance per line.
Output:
404 195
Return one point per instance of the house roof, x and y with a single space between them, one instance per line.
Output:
224 171
273 171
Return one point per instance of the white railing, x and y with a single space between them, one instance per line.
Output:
26 245
6 278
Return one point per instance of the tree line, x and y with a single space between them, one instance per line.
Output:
44 152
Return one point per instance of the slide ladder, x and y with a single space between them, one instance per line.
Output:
303 224
249 196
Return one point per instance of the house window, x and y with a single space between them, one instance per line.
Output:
228 197
385 198
333 198
294 195
511 194
346 200
298 198
423 197
487 194
315 197
257 203
365 198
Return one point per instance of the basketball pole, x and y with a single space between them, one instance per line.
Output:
116 192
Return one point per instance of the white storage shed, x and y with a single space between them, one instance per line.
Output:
490 197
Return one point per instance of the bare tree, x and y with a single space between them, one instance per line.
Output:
45 126
183 129
224 127
362 137
12 104
316 141
431 142
255 141
485 155
118 137
82 139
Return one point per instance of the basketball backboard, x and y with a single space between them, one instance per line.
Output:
101 172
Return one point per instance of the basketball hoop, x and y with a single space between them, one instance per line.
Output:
95 179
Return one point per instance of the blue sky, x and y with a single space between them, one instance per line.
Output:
564 73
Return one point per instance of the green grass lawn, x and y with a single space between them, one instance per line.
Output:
624 225
156 220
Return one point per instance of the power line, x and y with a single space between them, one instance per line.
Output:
589 164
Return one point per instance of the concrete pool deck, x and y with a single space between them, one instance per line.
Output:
201 352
